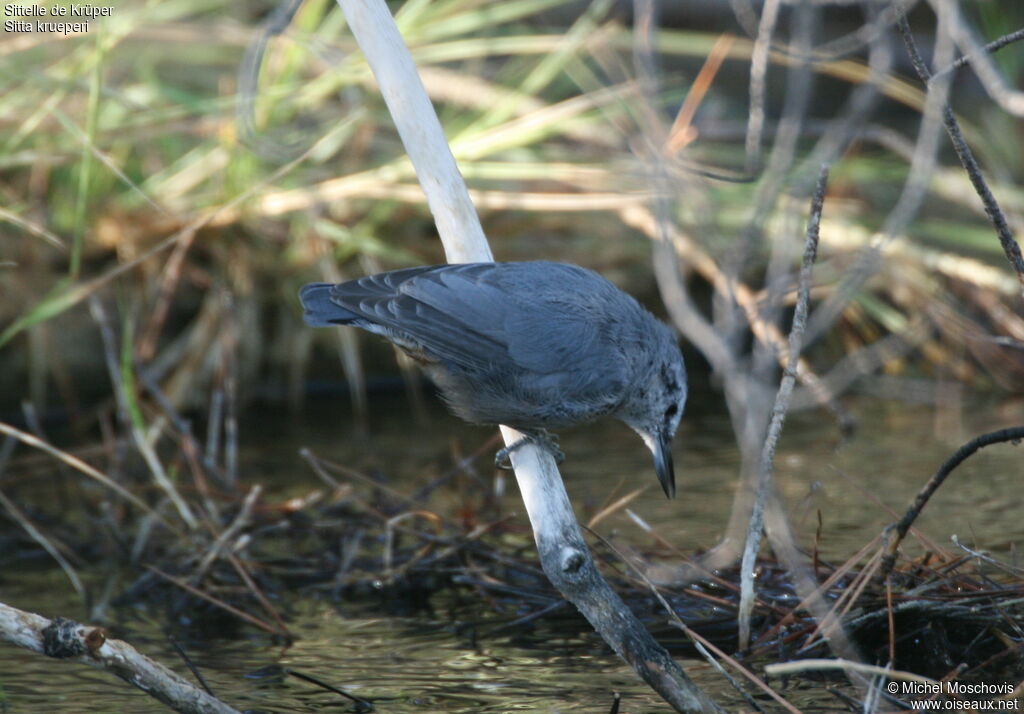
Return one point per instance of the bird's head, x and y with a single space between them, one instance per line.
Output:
655 411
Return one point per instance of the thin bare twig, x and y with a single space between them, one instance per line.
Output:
914 190
989 48
1012 434
79 465
995 84
39 537
240 614
1006 238
817 665
758 70
361 705
682 131
220 544
142 443
706 649
984 557
779 412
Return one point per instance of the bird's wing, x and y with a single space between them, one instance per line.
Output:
418 305
477 315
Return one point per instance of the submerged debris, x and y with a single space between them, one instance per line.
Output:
358 541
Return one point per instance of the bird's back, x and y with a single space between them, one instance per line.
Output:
531 344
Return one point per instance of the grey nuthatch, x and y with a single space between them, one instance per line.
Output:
534 346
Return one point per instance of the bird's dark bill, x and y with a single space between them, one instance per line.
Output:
663 466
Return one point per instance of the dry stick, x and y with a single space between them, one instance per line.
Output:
907 205
766 197
391 525
263 600
240 614
220 544
1012 434
993 46
361 705
826 626
189 663
758 70
39 537
660 227
143 445
617 505
745 15
758 682
161 477
890 621
818 665
753 543
32 228
76 463
871 32
850 121
230 356
985 558
967 160
995 84
806 585
69 640
189 446
833 49
682 131
563 552
745 412
784 146
817 594
703 646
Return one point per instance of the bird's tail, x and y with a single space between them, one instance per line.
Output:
321 311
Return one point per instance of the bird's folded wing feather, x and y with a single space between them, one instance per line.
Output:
469 315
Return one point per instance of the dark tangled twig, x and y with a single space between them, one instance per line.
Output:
1014 434
967 160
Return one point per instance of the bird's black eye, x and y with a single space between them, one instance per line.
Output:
671 411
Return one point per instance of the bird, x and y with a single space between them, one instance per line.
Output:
534 345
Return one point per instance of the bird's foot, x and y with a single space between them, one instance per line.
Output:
540 437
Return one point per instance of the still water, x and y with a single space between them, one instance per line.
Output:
429 664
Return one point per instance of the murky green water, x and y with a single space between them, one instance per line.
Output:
401 664
857 485
429 663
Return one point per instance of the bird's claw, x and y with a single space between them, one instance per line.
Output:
543 439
